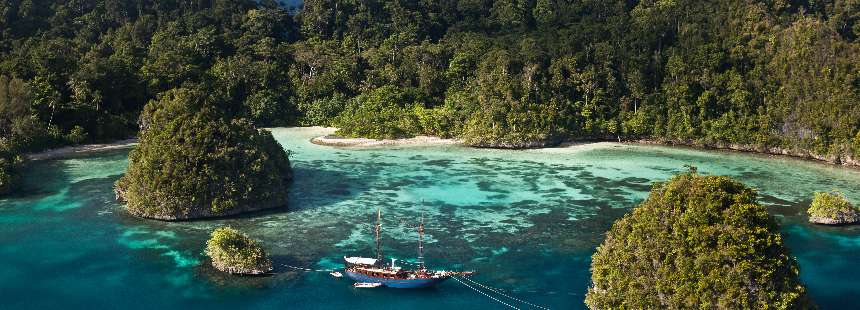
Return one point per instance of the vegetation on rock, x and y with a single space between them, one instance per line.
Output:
8 174
195 162
383 113
757 75
234 252
15 124
832 209
695 242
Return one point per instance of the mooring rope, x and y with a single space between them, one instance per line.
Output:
498 291
485 294
494 290
306 269
486 287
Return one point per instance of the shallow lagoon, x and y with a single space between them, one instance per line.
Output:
528 221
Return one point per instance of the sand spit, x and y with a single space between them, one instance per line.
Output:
332 140
81 149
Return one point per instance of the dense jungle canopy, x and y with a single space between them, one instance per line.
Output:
506 73
696 242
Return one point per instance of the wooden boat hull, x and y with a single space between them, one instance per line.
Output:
396 283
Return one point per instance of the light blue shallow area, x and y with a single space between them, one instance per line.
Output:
527 221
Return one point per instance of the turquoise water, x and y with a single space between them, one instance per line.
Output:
527 221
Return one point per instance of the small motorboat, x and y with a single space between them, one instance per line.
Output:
367 285
336 274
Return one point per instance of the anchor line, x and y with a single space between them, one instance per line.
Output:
485 294
306 269
498 291
494 290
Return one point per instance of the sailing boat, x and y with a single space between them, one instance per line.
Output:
376 270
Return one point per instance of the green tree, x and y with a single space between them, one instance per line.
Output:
234 252
380 114
9 174
832 208
15 110
17 129
696 242
754 74
510 113
193 162
177 55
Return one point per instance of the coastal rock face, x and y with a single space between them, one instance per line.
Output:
192 162
842 159
832 209
333 140
494 138
234 252
840 219
485 136
514 145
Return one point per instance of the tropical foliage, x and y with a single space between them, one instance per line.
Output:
8 174
506 73
832 208
194 161
234 252
695 242
381 113
82 70
20 130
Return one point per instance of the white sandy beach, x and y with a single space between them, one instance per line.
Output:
332 140
81 149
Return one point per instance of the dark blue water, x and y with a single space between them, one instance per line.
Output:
527 221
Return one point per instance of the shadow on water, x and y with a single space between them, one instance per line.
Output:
41 179
315 187
284 264
94 189
311 188
47 177
786 208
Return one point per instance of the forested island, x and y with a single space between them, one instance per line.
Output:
696 242
233 252
193 161
198 83
832 209
770 76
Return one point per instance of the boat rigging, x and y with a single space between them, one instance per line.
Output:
375 270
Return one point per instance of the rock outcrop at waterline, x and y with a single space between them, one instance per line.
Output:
195 162
515 145
832 209
332 140
848 160
234 252
841 219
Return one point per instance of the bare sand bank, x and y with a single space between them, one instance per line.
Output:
332 140
81 149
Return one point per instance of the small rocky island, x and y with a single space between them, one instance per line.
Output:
696 242
234 252
194 161
832 209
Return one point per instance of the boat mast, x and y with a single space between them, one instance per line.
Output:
378 229
421 243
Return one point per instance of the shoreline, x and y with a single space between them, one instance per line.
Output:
67 151
336 141
831 160
836 161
